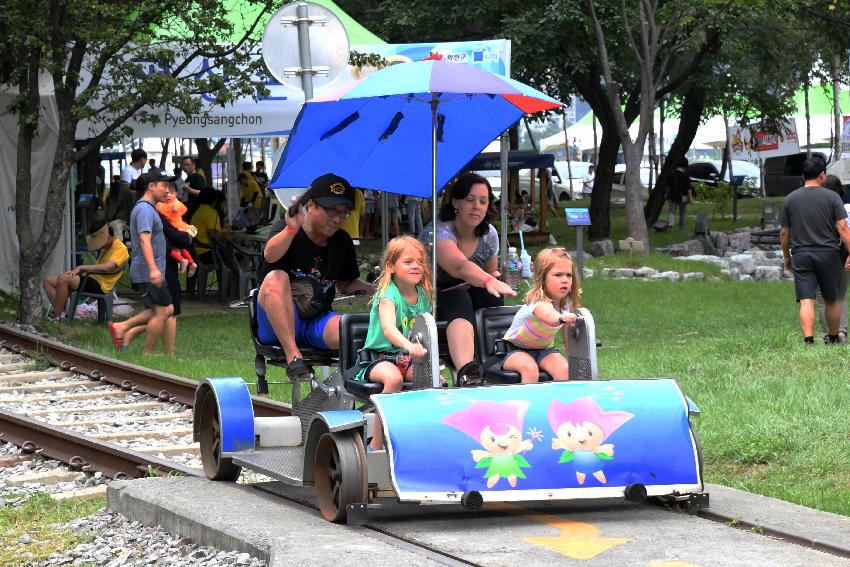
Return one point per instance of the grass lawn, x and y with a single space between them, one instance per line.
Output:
774 418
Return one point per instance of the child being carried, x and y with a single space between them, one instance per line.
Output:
173 210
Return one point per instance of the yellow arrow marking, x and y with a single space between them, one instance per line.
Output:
577 540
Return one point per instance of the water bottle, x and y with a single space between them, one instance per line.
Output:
512 268
525 258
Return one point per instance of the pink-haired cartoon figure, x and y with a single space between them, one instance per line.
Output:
498 427
580 428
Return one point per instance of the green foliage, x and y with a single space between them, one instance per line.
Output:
719 195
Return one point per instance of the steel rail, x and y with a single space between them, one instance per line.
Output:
81 452
164 386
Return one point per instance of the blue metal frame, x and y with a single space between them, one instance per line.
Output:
236 413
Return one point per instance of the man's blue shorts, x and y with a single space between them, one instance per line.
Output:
308 332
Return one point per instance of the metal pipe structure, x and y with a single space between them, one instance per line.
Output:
304 50
504 142
434 103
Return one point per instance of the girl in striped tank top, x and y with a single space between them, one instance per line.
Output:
531 338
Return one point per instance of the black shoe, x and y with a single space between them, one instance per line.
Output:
297 367
469 375
831 340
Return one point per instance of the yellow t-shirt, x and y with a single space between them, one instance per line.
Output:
117 253
249 190
351 225
205 219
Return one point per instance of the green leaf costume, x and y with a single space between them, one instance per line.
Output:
503 465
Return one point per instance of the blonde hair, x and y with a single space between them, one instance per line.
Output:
395 248
542 264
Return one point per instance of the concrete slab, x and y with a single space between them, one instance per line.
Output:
829 532
594 533
237 517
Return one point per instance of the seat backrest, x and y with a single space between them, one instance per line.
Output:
492 323
252 313
352 334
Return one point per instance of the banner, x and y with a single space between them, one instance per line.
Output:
275 114
752 143
845 138
540 441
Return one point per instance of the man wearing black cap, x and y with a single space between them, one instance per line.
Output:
309 242
148 267
106 271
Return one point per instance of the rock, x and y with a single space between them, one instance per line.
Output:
739 240
715 260
687 248
645 272
669 276
243 559
693 276
622 273
768 273
606 272
601 248
743 262
721 241
746 278
587 273
25 539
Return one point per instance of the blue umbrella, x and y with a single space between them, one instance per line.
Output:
386 131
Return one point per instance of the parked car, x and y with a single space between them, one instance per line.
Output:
783 174
618 186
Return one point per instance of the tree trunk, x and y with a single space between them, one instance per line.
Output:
835 75
206 154
600 199
808 118
692 109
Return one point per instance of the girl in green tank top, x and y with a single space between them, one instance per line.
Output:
404 291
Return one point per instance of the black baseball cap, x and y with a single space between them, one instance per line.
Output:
153 175
330 190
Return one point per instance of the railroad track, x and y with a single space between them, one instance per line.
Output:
70 420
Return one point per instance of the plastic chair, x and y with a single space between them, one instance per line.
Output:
491 324
104 300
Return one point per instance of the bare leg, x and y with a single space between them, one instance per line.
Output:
49 285
132 333
156 326
556 366
62 285
389 375
807 316
140 318
580 477
276 300
491 482
330 334
832 310
526 366
600 476
169 334
459 334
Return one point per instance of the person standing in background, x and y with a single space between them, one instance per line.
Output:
193 185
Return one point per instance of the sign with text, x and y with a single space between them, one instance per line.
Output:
752 143
578 217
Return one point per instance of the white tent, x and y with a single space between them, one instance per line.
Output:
42 156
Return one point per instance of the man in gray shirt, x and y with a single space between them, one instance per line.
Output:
147 270
813 226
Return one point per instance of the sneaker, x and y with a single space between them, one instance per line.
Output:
469 375
842 337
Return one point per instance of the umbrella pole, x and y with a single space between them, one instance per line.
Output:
434 103
504 142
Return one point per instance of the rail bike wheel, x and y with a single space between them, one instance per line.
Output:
340 473
215 466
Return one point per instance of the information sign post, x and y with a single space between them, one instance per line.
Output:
578 218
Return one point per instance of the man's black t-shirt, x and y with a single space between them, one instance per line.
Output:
337 261
196 181
811 214
262 179
678 186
